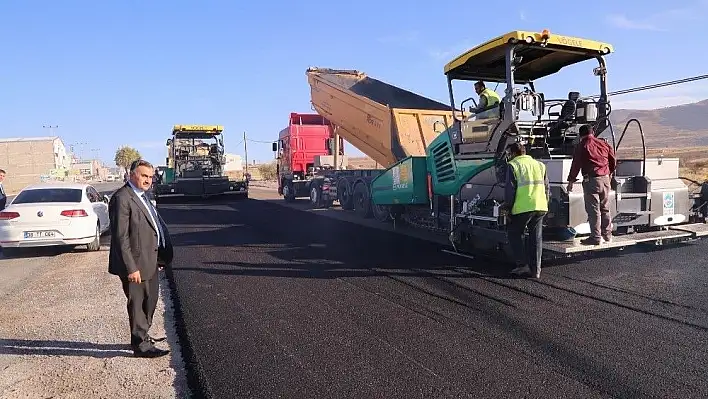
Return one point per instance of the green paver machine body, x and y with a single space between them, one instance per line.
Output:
458 186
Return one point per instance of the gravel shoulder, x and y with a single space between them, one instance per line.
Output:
64 332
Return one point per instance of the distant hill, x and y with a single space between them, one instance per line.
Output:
671 127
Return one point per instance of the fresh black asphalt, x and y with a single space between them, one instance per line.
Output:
274 302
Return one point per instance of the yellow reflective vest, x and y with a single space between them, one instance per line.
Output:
491 95
530 185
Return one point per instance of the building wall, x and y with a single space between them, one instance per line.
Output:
87 169
27 161
234 163
62 159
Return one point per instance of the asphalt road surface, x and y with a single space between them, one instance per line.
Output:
277 302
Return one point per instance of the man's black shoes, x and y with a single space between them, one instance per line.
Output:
151 353
153 340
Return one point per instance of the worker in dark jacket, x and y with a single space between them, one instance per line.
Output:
595 158
3 195
526 198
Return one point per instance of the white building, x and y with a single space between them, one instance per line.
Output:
234 163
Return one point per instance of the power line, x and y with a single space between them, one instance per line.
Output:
657 85
260 141
654 86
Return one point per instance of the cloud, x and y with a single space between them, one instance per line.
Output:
660 21
620 21
447 53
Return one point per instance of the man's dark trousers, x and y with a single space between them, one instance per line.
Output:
534 241
142 301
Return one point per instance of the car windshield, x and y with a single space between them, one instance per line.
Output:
49 195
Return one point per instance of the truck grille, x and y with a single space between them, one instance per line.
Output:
442 158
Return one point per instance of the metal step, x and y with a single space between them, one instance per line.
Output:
632 195
697 229
569 247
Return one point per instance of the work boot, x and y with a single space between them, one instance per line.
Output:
535 273
590 241
521 270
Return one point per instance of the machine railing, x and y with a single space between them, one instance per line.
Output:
644 146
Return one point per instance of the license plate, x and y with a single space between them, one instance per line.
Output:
39 234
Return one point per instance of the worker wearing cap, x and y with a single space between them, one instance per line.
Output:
488 98
526 199
595 158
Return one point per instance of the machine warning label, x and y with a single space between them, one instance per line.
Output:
401 176
668 203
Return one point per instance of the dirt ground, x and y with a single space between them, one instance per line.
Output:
64 332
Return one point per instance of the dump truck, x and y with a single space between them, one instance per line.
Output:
195 165
385 122
446 165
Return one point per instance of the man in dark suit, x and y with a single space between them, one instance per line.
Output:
3 195
139 241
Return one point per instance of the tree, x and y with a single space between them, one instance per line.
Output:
268 171
125 156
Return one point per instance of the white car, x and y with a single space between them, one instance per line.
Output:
55 214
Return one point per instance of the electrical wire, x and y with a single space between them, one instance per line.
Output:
259 141
654 86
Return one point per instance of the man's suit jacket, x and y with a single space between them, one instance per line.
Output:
134 243
3 198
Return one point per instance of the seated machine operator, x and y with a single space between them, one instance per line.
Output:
488 99
567 114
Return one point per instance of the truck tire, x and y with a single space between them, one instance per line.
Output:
362 200
344 195
288 193
315 196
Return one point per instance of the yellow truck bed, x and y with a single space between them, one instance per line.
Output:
385 122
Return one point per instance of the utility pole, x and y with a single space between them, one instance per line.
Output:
245 152
51 128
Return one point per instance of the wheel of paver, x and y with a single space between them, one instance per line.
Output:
95 245
382 213
344 195
361 200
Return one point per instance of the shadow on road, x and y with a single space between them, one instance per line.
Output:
63 348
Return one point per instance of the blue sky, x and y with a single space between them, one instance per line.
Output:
123 72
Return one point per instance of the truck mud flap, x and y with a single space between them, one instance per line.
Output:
677 232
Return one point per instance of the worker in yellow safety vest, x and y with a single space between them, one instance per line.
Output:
488 98
526 200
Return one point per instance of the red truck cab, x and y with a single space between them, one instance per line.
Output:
307 136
